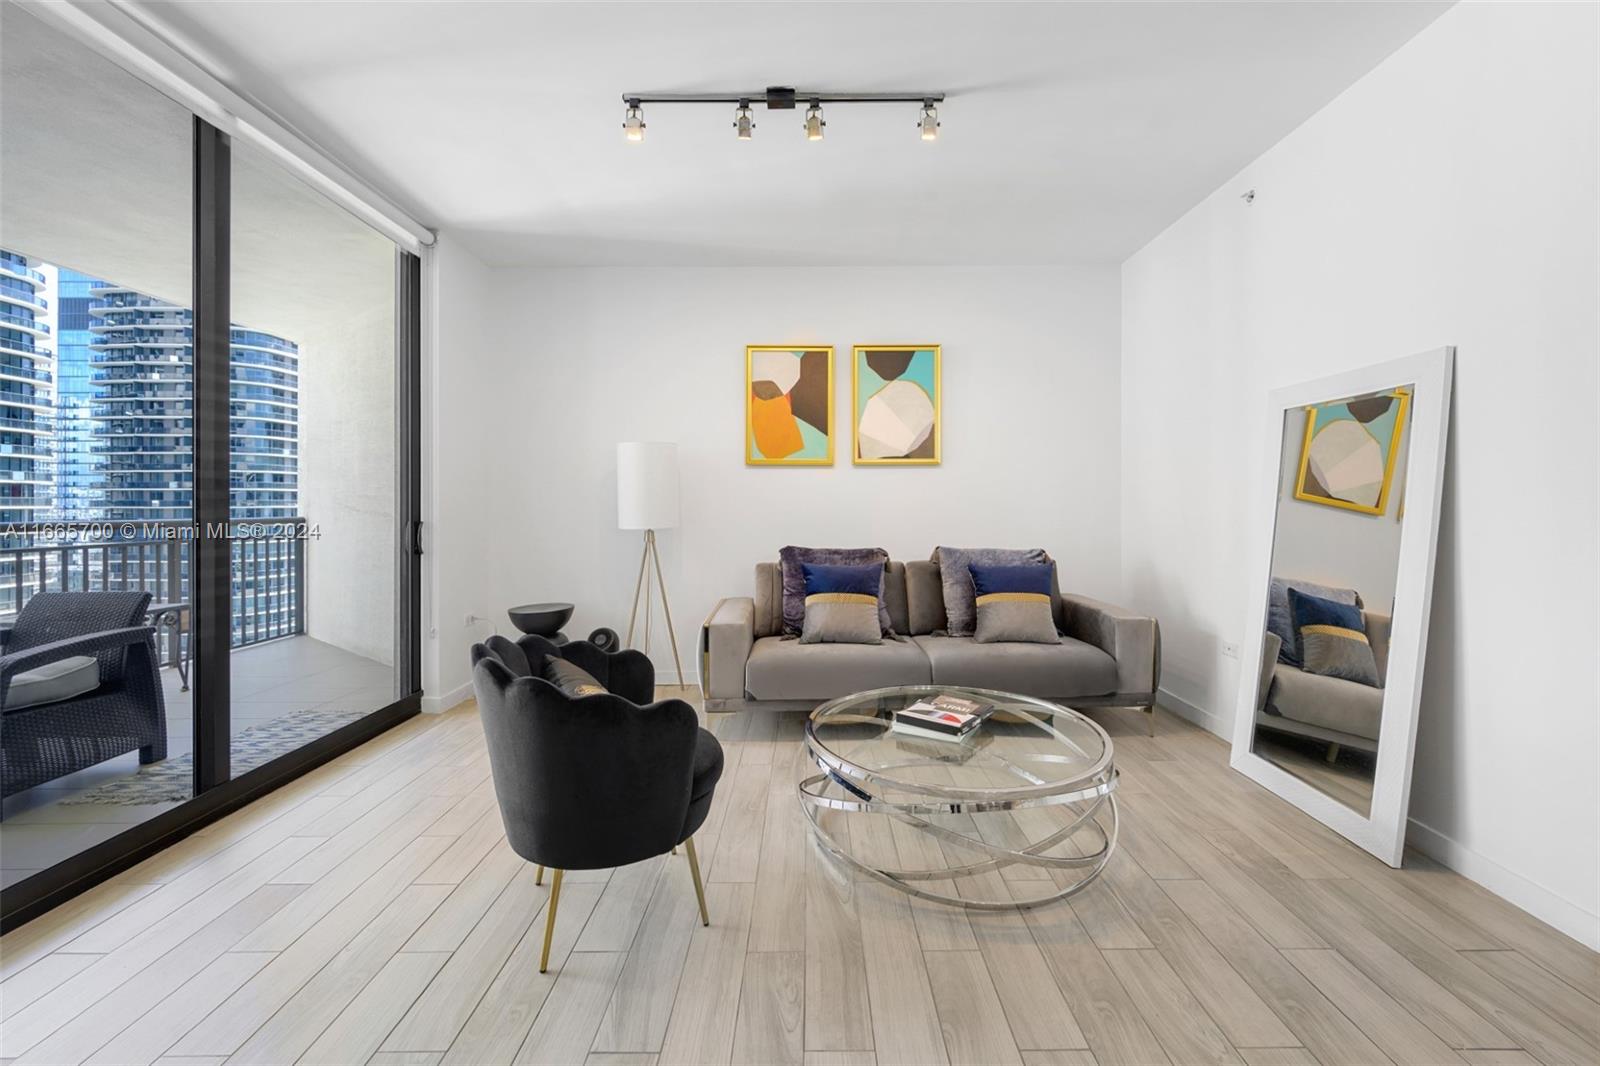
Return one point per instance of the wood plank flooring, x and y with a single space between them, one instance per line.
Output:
372 912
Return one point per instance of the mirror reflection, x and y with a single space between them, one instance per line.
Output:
1335 557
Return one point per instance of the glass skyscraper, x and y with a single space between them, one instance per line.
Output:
79 494
100 427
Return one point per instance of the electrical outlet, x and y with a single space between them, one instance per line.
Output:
471 618
1230 649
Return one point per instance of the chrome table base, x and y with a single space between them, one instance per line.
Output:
1086 802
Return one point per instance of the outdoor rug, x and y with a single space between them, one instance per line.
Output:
173 779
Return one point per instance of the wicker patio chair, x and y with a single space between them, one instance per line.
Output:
44 735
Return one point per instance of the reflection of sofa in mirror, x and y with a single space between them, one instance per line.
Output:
1342 713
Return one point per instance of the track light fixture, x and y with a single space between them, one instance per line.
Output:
814 122
781 98
633 122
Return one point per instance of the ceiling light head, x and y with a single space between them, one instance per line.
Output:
633 123
743 122
814 122
929 123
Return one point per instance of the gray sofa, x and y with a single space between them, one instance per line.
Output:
1342 713
1107 656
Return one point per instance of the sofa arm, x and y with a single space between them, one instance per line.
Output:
1270 645
1133 640
725 641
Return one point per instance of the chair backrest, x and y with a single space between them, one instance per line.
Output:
584 783
52 616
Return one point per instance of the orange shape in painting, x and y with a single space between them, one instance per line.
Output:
776 432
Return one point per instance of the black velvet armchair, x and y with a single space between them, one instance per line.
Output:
118 706
594 781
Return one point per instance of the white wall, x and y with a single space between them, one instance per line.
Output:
577 360
462 464
1446 198
347 478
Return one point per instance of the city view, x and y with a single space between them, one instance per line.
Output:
96 426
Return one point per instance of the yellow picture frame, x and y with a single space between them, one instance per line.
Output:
923 378
1391 448
793 429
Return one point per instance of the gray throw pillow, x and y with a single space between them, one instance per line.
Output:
842 604
1014 604
960 606
570 678
1281 622
790 560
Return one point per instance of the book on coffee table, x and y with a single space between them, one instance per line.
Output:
942 717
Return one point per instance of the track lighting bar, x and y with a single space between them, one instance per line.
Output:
781 98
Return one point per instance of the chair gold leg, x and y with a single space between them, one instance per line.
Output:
550 922
538 878
674 849
699 889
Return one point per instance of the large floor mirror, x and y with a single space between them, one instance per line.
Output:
1346 522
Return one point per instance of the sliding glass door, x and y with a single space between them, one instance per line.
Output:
312 485
208 422
96 448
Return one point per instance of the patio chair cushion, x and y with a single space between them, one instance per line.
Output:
53 682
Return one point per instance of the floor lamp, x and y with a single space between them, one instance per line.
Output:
647 499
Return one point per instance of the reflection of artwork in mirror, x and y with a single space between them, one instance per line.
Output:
1348 454
1321 692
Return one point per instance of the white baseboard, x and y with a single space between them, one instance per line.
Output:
1553 910
1211 723
454 698
1562 914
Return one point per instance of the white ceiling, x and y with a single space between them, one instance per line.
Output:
1073 132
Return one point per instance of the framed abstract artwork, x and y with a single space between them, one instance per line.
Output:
895 404
1348 456
788 405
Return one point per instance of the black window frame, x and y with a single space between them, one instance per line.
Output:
216 792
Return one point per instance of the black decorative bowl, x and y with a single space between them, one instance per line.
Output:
542 619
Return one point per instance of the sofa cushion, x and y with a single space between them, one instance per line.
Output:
1329 702
53 682
961 612
1051 671
1333 639
924 598
794 582
789 670
768 600
1014 604
842 604
1281 621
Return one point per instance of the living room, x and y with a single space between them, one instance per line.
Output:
799 533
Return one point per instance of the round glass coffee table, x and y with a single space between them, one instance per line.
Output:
1032 787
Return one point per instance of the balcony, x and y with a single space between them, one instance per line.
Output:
296 675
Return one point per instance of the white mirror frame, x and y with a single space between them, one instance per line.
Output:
1382 831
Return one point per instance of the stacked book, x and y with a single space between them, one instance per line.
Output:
942 717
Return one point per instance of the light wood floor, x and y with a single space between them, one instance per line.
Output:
371 912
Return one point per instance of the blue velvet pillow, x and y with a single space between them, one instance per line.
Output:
1013 604
1333 639
842 604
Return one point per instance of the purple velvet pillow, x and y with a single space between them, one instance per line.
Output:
794 580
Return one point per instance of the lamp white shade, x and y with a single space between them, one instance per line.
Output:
647 485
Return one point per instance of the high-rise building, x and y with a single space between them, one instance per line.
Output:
143 359
27 364
79 482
